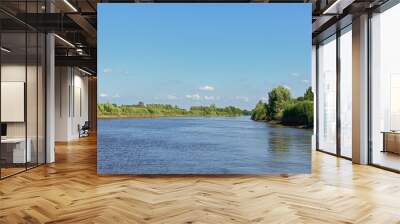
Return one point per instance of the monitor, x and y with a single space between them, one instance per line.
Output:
3 129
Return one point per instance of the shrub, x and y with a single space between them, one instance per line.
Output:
298 113
165 110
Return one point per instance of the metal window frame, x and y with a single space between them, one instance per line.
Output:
317 94
338 93
381 9
339 32
387 5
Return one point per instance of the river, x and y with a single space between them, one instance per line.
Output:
201 145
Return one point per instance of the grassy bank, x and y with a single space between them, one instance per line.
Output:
108 110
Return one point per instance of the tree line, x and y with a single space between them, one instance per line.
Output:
283 108
160 110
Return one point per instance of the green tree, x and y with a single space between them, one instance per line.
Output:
277 99
260 112
309 95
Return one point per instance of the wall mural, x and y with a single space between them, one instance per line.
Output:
204 88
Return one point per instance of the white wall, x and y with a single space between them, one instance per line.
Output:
33 126
17 73
14 72
62 82
71 102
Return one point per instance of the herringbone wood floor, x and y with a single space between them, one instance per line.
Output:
70 191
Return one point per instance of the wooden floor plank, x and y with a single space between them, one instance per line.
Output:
70 191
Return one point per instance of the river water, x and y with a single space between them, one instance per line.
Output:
198 145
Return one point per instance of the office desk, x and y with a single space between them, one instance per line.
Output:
16 147
391 141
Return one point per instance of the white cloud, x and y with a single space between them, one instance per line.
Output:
305 81
207 88
295 74
103 95
210 98
265 99
172 97
287 87
107 70
194 96
242 98
116 96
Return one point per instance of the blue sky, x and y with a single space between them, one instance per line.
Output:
200 54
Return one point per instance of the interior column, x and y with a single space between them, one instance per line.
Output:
360 90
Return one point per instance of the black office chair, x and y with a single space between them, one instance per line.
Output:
84 130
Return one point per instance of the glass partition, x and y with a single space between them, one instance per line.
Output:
13 114
327 95
23 91
385 89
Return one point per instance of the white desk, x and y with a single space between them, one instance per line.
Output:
19 153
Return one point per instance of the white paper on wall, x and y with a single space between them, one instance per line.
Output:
12 101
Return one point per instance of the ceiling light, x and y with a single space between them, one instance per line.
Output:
337 7
84 71
5 50
79 51
70 5
65 41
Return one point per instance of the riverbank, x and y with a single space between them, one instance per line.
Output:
108 110
138 116
159 116
279 123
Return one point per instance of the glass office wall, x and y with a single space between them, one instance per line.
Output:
22 93
327 95
385 89
346 92
13 87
